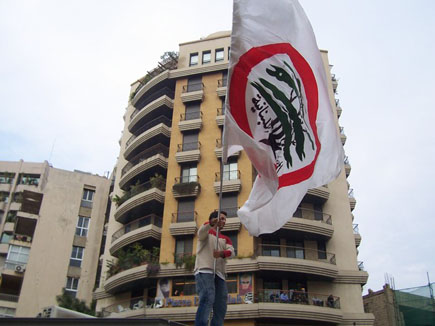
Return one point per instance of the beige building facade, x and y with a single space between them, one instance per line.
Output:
167 182
52 228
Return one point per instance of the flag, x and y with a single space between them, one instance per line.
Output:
278 110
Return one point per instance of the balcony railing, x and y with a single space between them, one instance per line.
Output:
188 146
184 217
13 265
141 188
191 115
355 229
351 194
193 87
297 297
187 179
222 82
220 111
142 156
295 252
148 125
136 303
136 224
337 102
9 297
227 175
361 266
313 215
152 97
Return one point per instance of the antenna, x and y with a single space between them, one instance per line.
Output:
52 148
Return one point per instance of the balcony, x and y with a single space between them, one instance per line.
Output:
218 150
317 195
134 307
14 268
126 279
152 133
186 186
342 136
146 227
188 152
338 107
9 297
311 222
361 266
139 198
190 121
296 259
220 116
222 87
231 181
162 105
347 167
352 200
151 159
356 234
334 82
192 92
184 223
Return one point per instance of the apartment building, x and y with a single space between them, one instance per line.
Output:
166 184
51 232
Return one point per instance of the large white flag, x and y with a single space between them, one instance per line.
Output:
278 110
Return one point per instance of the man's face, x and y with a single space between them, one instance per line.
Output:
222 221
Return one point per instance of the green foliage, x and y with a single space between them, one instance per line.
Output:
67 301
185 260
158 181
186 187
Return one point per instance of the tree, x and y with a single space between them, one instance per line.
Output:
66 300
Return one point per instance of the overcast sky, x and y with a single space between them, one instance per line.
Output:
66 68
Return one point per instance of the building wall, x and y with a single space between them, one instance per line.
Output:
51 246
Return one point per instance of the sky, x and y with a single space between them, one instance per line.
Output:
66 69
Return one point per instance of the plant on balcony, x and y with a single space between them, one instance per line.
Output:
11 217
186 260
66 300
158 181
116 199
185 188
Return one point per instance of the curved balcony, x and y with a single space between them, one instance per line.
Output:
188 152
184 223
192 92
187 186
149 159
220 116
231 181
338 107
140 198
138 94
134 307
317 195
296 259
152 133
342 136
356 234
190 121
352 200
162 105
149 226
126 279
218 150
222 87
311 221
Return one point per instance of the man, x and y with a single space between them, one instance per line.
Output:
211 288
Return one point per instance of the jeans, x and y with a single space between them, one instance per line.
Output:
213 295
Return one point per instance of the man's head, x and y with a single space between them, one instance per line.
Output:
222 220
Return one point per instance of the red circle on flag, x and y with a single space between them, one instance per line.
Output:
239 82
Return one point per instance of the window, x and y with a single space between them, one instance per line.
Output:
190 141
318 213
229 204
232 283
193 59
82 226
192 111
4 196
230 171
183 247
6 238
295 249
76 256
298 212
7 312
88 196
229 49
18 254
189 174
6 177
183 286
186 208
72 285
271 247
224 78
219 55
321 249
233 237
206 57
194 84
29 179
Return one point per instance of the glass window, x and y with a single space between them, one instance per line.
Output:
271 247
318 212
190 141
18 254
206 57
183 286
321 247
229 49
193 59
189 174
232 283
72 285
183 246
192 111
6 238
230 171
229 204
295 249
219 55
88 197
233 237
186 208
194 84
82 226
76 256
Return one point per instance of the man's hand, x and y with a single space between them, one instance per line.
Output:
213 222
218 254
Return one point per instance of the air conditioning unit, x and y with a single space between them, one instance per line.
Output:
20 268
59 312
